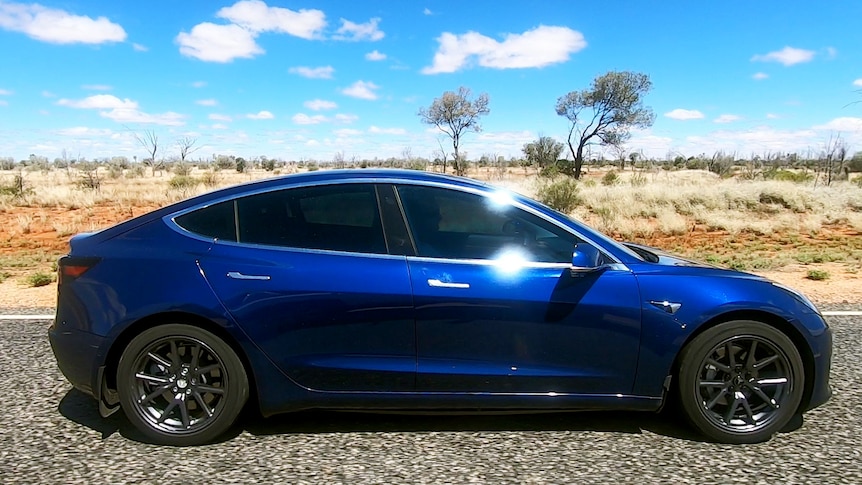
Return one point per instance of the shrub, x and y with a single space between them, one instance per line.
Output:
182 169
182 182
610 178
210 179
4 276
817 275
561 195
39 279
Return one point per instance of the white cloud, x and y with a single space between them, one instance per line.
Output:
759 76
58 26
844 124
140 47
539 47
787 56
375 55
319 104
323 72
354 32
127 115
304 119
199 84
5 92
858 83
219 117
207 102
727 119
99 101
387 131
361 90
772 116
219 126
3 102
257 16
345 119
84 131
427 11
346 132
684 114
260 115
218 43
831 53
48 94
96 87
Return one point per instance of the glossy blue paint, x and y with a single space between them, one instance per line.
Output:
390 330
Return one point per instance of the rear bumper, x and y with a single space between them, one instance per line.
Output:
78 356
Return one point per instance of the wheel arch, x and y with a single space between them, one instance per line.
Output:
767 318
122 341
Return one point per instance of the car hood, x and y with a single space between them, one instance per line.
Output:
663 259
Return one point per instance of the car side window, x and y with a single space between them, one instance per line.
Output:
452 224
333 217
215 221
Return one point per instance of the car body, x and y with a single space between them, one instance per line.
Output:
408 290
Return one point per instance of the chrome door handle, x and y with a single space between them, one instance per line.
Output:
239 276
440 284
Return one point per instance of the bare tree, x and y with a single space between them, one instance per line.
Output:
605 112
443 154
455 114
150 141
187 146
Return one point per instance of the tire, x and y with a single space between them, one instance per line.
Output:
740 381
181 385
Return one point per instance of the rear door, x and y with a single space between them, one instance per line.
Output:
310 280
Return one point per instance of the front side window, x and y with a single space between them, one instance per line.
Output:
333 217
451 224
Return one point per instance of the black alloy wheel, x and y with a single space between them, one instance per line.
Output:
741 381
181 385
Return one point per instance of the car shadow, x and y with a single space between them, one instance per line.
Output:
82 409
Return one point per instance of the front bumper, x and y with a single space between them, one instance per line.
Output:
821 390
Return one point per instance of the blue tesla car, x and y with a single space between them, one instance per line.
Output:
405 290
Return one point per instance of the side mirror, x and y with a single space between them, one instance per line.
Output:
585 257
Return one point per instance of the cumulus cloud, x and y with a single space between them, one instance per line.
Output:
322 72
140 47
319 104
304 119
206 102
352 31
361 90
386 131
787 56
539 47
375 55
257 16
58 26
345 119
219 117
260 115
727 119
218 43
846 124
759 76
126 115
99 101
858 83
684 114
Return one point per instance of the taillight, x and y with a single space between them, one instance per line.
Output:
71 267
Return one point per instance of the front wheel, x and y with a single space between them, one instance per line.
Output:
740 381
181 385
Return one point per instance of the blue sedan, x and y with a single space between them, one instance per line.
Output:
405 290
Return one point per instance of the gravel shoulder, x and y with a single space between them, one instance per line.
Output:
53 434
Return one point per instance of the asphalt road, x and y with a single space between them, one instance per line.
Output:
50 433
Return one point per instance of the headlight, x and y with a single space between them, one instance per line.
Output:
798 295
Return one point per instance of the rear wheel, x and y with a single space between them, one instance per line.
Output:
181 385
740 381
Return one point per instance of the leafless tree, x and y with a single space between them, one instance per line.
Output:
187 146
150 141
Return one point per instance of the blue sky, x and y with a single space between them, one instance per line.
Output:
309 79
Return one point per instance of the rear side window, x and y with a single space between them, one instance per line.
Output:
216 221
333 217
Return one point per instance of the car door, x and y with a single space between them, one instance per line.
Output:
310 280
498 308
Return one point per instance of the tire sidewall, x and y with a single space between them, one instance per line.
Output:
226 413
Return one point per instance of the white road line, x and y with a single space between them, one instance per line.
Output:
837 313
